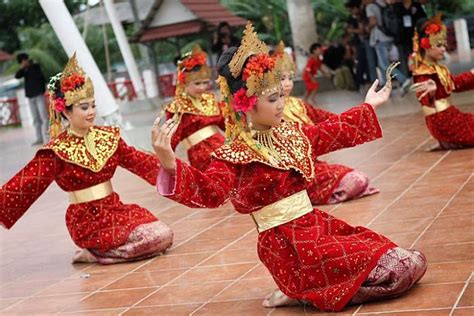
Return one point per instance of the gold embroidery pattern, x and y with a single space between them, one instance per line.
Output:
442 72
291 145
295 111
92 151
206 106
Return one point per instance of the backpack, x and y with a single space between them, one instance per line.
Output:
391 24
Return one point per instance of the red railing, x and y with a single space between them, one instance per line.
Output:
123 90
9 112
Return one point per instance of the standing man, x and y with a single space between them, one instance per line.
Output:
409 12
35 86
380 41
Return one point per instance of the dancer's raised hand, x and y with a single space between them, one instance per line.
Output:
424 87
161 142
377 98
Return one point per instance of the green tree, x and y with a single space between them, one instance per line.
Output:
18 14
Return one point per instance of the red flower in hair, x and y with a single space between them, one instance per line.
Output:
181 77
432 28
425 43
59 105
242 103
194 60
72 82
257 65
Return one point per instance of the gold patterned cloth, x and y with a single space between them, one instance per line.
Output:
291 150
282 211
206 105
442 71
295 111
93 193
90 151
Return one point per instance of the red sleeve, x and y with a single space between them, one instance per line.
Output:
317 115
21 191
463 82
427 100
142 164
198 189
348 129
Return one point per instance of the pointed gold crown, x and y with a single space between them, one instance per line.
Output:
286 62
250 45
75 94
441 35
196 57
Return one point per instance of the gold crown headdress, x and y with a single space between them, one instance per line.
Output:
286 63
261 76
433 32
68 88
197 57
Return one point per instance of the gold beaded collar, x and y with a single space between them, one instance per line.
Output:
206 106
425 68
91 151
295 111
287 145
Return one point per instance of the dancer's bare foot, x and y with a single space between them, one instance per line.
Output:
434 148
83 256
278 298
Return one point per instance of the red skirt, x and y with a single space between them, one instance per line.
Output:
326 179
452 126
321 259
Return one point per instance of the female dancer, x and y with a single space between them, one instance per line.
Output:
434 84
333 183
82 160
197 111
263 170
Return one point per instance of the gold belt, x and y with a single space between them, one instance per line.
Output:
282 211
200 135
95 192
439 106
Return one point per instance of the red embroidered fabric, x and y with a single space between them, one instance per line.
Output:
315 257
451 125
102 224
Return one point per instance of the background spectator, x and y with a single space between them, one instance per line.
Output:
223 39
409 12
381 41
365 58
35 86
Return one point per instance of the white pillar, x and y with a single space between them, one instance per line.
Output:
462 40
303 28
71 40
151 84
125 49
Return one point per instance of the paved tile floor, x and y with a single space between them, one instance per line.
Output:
426 202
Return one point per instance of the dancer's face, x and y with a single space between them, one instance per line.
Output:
197 87
269 110
81 116
436 52
287 82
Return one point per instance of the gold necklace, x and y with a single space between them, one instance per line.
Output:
265 139
89 141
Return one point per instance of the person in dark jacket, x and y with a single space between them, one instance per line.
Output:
35 86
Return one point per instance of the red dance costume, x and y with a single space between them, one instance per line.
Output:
326 188
311 256
451 127
312 67
88 163
199 127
